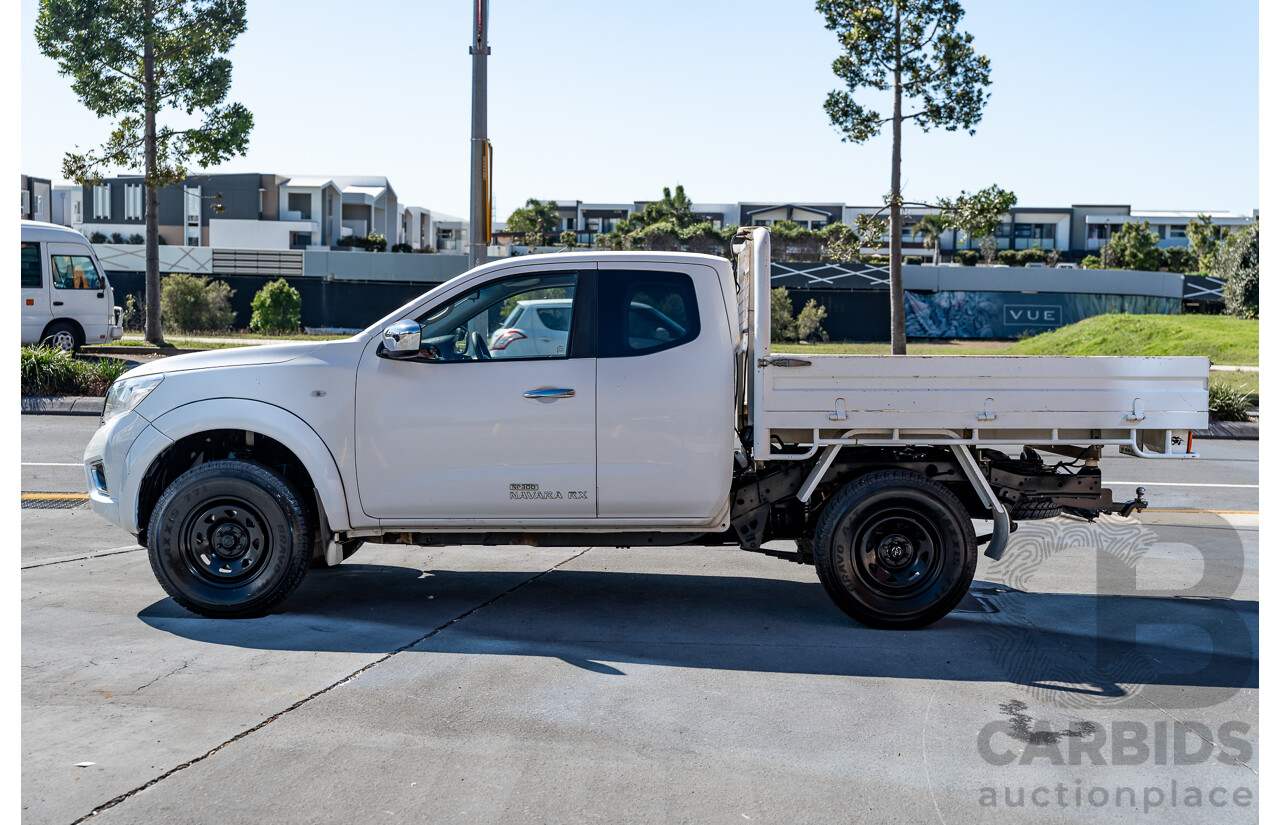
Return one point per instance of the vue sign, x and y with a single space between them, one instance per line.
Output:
1035 315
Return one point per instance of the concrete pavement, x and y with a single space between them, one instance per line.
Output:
478 684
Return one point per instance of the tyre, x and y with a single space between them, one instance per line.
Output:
229 539
894 549
64 336
1034 508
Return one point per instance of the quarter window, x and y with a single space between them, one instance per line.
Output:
519 318
31 278
75 272
645 312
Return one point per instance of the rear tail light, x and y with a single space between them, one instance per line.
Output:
506 337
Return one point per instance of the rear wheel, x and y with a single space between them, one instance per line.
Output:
64 336
229 539
894 549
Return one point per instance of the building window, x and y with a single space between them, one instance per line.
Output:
133 201
102 201
300 202
262 196
1178 231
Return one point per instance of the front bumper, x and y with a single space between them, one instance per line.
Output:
113 493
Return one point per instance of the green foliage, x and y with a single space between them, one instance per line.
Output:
1135 246
1030 256
276 308
809 322
1008 257
50 371
1236 263
977 214
136 238
941 73
966 257
840 243
1179 259
97 237
100 45
116 237
402 247
428 250
190 302
1203 238
373 242
568 239
782 327
1227 403
912 260
535 221
929 229
1091 262
1223 339
133 314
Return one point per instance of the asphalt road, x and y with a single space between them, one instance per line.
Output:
1088 671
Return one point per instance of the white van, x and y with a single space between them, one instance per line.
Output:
66 299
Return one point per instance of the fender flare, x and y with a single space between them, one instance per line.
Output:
266 419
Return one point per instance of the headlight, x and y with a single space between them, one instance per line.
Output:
127 393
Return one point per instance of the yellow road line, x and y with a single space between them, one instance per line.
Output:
55 496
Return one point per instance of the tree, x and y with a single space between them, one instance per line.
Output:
1236 263
978 215
535 220
782 327
130 59
912 48
930 228
1135 246
1203 237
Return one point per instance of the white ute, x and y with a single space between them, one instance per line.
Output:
239 469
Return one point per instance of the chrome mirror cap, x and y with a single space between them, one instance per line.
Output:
402 339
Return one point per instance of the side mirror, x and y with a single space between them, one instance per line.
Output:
401 340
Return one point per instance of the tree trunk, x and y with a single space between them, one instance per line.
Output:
152 297
897 307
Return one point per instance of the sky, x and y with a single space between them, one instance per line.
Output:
1152 103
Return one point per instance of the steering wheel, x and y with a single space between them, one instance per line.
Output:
479 349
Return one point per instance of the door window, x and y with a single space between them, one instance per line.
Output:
494 321
75 272
31 278
644 312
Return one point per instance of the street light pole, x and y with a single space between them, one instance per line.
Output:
481 186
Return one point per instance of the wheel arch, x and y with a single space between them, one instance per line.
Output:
71 322
255 429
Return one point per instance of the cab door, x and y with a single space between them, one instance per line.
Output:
35 295
465 432
79 289
664 392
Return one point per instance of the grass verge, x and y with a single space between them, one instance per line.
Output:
1223 339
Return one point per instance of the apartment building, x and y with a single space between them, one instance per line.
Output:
261 211
37 199
1077 230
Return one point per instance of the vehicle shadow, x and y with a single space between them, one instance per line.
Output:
1092 645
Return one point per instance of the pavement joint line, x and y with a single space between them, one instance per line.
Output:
51 464
111 803
114 551
54 496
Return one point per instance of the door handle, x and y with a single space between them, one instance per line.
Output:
549 393
57 303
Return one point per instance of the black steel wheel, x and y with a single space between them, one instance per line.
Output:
894 549
64 336
229 539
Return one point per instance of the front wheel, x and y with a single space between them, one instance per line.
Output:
894 549
229 539
63 336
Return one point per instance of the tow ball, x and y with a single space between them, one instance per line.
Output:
1124 510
